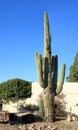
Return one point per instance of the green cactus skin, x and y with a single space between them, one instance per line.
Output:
47 68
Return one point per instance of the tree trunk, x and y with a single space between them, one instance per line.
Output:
48 101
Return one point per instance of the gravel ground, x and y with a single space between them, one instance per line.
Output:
58 125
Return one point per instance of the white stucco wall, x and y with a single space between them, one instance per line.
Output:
71 96
13 107
10 106
70 91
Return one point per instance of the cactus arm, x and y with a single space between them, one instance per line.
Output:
61 81
55 72
52 63
39 68
42 70
45 71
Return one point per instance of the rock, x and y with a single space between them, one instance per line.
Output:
29 118
54 128
36 127
49 127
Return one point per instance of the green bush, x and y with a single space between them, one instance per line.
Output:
15 88
29 107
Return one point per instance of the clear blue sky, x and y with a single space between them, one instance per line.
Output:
21 35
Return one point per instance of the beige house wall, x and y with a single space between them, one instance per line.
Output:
70 90
13 107
71 96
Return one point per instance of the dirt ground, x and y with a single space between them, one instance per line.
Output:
58 125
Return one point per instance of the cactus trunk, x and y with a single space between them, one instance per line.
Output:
47 68
48 101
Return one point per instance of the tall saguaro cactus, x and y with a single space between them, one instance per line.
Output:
47 68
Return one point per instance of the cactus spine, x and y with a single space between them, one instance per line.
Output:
47 68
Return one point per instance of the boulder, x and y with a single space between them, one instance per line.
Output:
28 118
